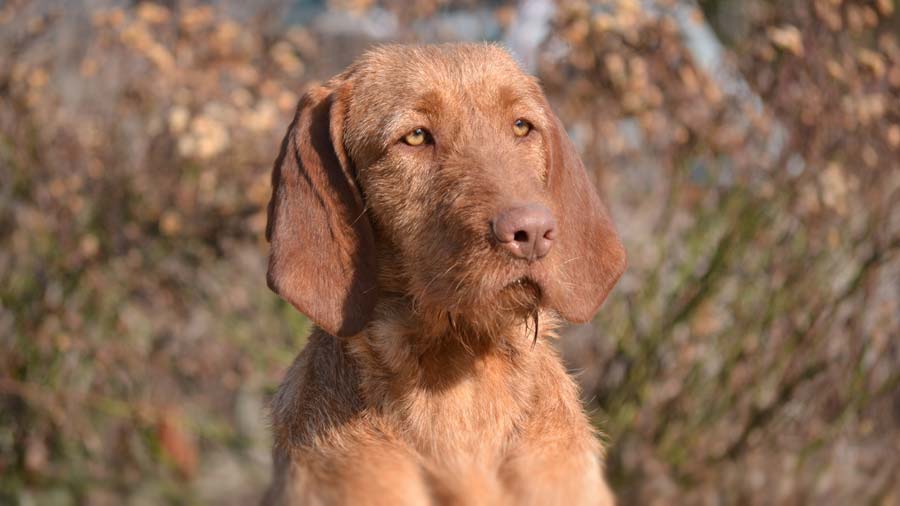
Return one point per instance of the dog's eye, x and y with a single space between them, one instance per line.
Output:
521 128
417 137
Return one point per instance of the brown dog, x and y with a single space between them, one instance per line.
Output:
431 216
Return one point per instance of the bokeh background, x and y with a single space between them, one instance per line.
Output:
748 150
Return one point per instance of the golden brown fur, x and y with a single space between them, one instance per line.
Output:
427 381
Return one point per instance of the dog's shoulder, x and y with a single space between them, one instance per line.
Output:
330 448
320 392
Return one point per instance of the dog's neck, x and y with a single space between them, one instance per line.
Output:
432 375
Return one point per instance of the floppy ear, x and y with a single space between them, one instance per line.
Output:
591 257
322 256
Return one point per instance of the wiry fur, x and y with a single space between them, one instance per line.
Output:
441 388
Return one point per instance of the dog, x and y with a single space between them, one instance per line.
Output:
432 218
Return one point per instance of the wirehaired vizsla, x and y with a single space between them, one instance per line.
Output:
431 216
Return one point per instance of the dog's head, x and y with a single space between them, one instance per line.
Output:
438 173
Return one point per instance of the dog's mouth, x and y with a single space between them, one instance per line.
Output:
525 283
525 292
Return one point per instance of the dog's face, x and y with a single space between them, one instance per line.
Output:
438 173
457 140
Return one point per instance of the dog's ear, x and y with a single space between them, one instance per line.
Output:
322 256
590 254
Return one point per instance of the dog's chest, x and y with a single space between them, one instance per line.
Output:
462 436
470 421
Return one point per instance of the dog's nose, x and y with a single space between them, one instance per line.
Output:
525 231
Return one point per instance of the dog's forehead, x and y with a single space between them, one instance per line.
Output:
391 81
447 64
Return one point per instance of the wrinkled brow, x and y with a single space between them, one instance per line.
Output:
510 97
426 106
507 97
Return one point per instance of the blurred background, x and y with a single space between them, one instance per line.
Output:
748 149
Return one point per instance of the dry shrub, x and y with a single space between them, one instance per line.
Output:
138 332
751 354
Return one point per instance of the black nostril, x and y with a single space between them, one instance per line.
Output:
521 236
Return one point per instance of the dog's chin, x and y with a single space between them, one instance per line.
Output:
521 297
495 312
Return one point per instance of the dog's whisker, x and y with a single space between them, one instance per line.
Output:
361 214
423 293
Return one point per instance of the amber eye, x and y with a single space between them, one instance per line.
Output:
521 128
417 137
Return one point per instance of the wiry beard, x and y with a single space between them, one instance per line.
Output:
527 299
488 319
468 306
522 296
